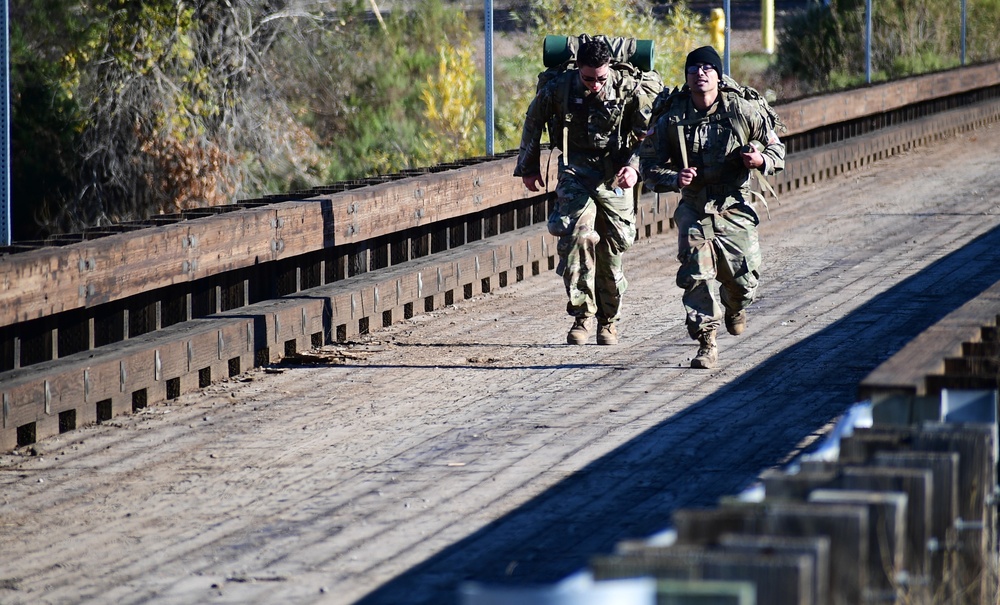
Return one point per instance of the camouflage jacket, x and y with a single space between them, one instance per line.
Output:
712 141
602 131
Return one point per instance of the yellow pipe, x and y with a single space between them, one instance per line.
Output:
767 25
717 29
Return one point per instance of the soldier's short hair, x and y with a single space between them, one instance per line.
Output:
594 53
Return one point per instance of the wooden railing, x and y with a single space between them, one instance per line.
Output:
109 325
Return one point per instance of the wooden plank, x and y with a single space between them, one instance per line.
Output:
846 526
976 532
780 577
976 477
810 113
86 274
861 445
417 201
905 373
43 282
782 485
886 535
817 548
917 484
705 592
944 469
706 526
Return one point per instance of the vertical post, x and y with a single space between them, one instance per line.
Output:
488 27
767 25
725 53
964 14
5 218
717 29
868 41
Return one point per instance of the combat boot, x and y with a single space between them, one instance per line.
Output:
708 352
580 332
607 334
736 322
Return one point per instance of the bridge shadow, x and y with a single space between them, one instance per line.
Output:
714 448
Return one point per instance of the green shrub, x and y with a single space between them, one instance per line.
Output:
825 46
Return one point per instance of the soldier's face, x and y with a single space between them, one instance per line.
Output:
594 78
702 77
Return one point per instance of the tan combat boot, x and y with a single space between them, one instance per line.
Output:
708 352
607 334
580 332
737 322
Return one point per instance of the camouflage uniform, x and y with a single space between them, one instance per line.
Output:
593 218
716 222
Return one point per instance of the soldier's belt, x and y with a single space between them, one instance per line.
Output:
713 191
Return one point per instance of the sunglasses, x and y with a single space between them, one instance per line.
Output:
696 68
591 80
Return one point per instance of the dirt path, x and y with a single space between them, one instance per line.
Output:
472 443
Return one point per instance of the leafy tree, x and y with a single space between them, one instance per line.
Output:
45 117
124 110
177 105
454 113
150 107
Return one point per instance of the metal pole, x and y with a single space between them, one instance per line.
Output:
725 53
963 30
868 41
5 219
488 26
767 25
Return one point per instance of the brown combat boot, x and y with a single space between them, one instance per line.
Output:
580 332
737 322
708 352
607 334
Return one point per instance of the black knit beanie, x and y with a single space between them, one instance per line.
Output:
704 55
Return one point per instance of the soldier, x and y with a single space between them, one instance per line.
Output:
597 114
707 140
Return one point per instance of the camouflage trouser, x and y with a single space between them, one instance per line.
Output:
595 228
722 247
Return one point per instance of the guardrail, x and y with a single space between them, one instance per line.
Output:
904 514
201 297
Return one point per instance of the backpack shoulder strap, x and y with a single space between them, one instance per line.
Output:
665 100
750 94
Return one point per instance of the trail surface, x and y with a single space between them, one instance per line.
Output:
471 443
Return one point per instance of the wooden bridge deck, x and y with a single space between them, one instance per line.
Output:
470 443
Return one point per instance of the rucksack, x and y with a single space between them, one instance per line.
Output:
726 84
666 100
750 94
627 54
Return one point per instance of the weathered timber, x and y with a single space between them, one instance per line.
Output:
944 469
52 280
780 577
704 527
705 592
886 535
781 485
917 485
971 535
847 527
810 113
81 275
817 548
904 381
150 368
976 529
